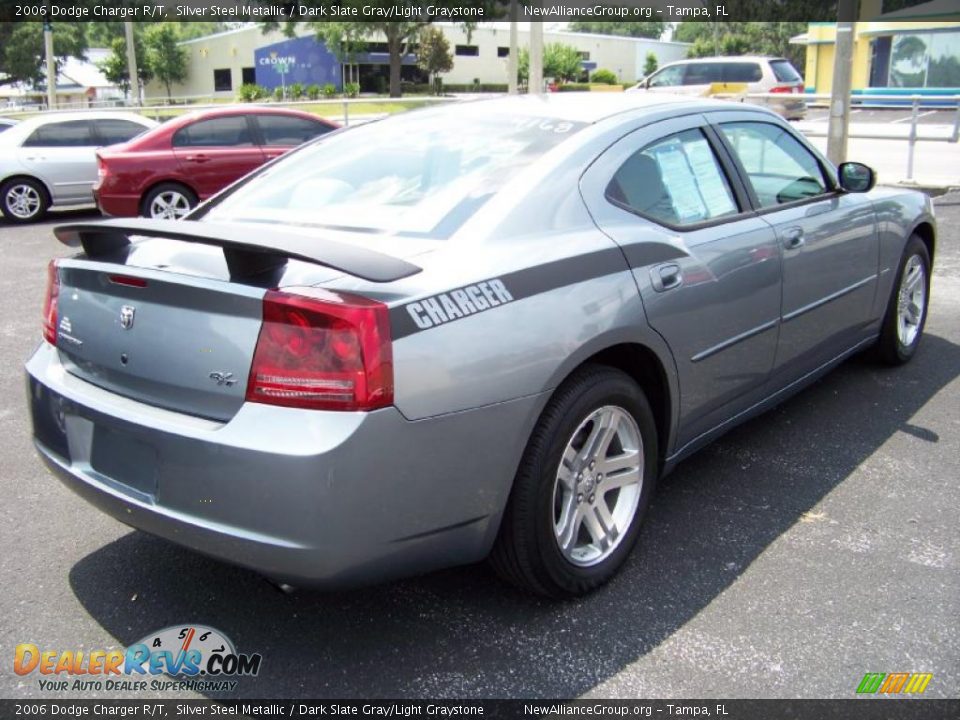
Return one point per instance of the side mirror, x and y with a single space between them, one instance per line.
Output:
856 177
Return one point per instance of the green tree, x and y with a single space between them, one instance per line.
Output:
562 62
651 29
434 56
166 59
739 38
399 34
115 67
650 64
22 49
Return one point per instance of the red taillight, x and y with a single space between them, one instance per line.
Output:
50 303
323 351
128 281
793 89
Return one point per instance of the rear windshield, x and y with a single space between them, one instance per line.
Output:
784 71
420 173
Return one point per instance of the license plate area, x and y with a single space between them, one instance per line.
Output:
125 462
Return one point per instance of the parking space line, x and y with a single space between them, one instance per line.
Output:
908 117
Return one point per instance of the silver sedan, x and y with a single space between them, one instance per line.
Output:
486 329
50 159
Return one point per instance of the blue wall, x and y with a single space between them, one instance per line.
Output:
308 62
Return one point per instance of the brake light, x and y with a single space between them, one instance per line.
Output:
793 89
323 351
50 303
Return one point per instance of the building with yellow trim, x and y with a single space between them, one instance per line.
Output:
915 50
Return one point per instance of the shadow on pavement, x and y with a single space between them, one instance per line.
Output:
461 633
57 216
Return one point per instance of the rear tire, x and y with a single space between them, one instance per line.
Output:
23 200
168 201
582 488
906 314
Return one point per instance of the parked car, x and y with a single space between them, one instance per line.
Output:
6 123
480 329
166 172
49 159
759 75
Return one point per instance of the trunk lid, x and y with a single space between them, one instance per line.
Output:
174 341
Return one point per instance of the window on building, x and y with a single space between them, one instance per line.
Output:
503 52
584 55
918 60
468 50
222 80
249 76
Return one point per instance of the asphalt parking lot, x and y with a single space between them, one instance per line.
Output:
806 548
893 116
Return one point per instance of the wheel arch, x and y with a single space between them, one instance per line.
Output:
28 176
925 231
165 181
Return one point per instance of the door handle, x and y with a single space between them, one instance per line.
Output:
666 277
793 238
198 158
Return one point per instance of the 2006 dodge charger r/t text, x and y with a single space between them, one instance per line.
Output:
479 330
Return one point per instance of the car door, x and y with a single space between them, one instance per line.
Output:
829 240
707 269
62 154
280 133
214 152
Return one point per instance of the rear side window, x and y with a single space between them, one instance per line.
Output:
784 71
702 74
675 181
283 130
231 131
780 169
71 133
114 131
742 72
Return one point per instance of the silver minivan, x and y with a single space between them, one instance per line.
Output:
760 75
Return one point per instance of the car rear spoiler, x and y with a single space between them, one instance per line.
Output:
249 248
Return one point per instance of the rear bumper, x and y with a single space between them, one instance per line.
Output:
312 498
790 107
117 205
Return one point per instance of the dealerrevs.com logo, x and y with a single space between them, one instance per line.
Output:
196 657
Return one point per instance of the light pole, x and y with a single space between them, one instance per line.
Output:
536 58
839 123
51 61
513 60
132 63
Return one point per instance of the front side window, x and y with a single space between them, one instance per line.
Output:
779 168
423 174
668 77
676 181
72 133
230 131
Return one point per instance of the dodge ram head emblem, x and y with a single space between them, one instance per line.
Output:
126 316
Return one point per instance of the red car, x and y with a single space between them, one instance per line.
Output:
165 172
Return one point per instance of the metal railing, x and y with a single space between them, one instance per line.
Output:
912 136
159 112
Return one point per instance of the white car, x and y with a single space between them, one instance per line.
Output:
51 159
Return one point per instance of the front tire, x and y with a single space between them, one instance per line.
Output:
168 201
582 488
906 313
23 200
